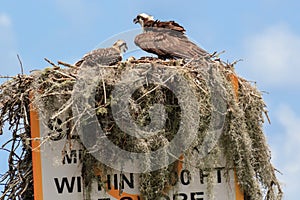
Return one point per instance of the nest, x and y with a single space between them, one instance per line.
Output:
242 140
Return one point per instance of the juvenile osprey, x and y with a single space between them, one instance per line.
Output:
105 56
165 39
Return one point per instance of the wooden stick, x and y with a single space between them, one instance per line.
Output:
21 65
51 63
65 64
7 77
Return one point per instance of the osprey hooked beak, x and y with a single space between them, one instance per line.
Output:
135 20
121 45
124 48
141 18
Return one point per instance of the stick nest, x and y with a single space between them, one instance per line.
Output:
242 141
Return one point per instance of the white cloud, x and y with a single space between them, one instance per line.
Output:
4 20
291 122
272 56
287 151
8 59
5 29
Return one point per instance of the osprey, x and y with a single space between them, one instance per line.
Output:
105 56
165 39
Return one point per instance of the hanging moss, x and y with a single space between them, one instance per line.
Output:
242 140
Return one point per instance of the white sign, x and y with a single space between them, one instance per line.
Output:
57 175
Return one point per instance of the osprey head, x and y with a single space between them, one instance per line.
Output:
141 18
120 45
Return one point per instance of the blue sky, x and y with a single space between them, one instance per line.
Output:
264 33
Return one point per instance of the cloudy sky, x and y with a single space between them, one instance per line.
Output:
264 33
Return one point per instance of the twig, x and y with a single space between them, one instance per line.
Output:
7 77
154 88
65 64
67 105
51 63
64 74
278 171
189 62
235 62
104 89
267 116
216 55
21 65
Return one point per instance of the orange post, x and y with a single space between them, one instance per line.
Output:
239 195
36 155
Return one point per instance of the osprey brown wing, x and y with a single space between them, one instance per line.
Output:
168 46
166 39
106 56
171 25
168 25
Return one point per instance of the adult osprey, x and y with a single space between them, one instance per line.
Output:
165 39
105 56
